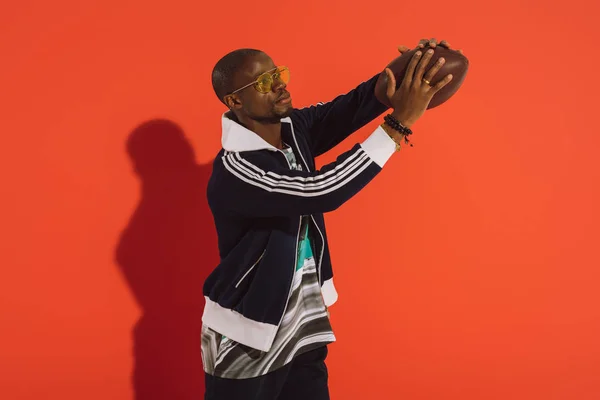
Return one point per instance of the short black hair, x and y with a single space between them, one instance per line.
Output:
226 67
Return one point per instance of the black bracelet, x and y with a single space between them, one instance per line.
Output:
393 123
396 125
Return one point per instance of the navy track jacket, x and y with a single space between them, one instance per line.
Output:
258 202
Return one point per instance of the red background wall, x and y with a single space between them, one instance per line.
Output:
479 244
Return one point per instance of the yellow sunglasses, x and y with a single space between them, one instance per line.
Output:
264 83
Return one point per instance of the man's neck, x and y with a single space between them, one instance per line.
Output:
271 133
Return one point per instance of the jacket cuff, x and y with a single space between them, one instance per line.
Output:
379 146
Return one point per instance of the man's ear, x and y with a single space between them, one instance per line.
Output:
232 101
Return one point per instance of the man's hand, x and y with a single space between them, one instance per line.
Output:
427 42
414 94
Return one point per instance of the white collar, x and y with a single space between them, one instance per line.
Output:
237 138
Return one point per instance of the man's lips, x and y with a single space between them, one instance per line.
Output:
286 98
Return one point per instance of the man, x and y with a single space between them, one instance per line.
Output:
266 322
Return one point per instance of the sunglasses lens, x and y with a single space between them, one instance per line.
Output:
283 74
264 83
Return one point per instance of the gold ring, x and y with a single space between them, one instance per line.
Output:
426 81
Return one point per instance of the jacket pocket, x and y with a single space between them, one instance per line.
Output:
239 282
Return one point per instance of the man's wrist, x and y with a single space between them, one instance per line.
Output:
396 136
402 119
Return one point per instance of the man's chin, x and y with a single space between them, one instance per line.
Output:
285 112
276 115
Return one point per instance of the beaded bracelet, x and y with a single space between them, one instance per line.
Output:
393 123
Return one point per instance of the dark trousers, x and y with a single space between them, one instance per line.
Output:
305 378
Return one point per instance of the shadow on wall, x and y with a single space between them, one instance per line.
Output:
165 253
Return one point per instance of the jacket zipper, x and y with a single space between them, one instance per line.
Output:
311 217
322 248
251 268
292 280
295 252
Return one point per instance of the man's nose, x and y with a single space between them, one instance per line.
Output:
278 84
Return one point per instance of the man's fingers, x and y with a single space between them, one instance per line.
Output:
445 44
438 86
410 70
391 83
434 70
403 49
433 43
422 64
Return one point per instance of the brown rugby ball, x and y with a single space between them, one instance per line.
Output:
456 64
